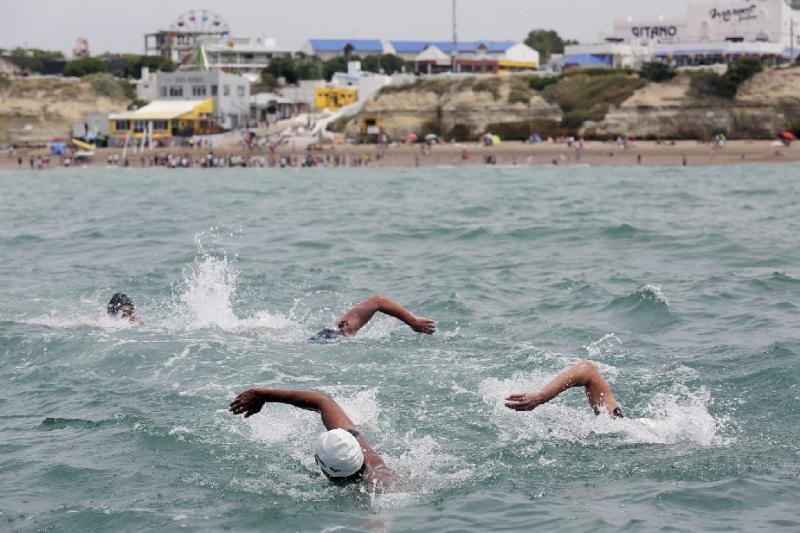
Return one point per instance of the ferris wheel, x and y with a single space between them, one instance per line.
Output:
200 21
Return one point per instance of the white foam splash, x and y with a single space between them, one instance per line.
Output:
678 416
96 320
653 292
206 300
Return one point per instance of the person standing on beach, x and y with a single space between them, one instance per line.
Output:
358 317
583 374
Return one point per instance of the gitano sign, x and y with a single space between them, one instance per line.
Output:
652 32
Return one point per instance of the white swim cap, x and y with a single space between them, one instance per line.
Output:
338 453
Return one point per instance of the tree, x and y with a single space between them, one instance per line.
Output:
547 42
84 66
386 63
282 67
337 64
308 67
134 64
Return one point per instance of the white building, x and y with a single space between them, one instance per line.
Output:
230 93
239 55
711 32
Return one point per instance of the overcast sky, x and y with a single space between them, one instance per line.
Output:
118 26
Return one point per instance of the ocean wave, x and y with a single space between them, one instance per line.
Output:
646 307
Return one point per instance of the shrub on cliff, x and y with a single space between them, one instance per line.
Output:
540 83
107 85
708 84
657 72
79 68
587 97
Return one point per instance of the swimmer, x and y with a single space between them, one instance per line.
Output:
342 453
121 306
583 374
357 318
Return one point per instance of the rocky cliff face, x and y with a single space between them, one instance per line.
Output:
35 110
467 106
766 104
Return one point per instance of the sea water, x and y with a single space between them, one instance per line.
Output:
681 284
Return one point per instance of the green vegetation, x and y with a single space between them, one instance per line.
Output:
520 92
584 97
707 84
386 63
547 43
79 68
421 85
281 67
5 83
657 72
488 85
114 88
134 64
540 83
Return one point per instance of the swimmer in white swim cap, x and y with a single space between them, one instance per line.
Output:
342 453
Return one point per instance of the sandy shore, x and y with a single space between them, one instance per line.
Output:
507 153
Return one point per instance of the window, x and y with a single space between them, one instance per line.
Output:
198 90
139 125
160 125
163 92
226 90
240 90
213 90
122 125
176 90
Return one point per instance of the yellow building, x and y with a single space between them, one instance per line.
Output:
165 118
334 98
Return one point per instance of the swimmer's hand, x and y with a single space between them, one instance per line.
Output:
526 401
248 403
420 324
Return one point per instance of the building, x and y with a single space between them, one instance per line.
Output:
266 108
229 93
164 119
330 48
243 56
488 57
712 32
180 41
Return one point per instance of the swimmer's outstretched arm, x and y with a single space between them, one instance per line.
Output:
583 374
333 416
361 314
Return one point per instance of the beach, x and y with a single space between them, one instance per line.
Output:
646 153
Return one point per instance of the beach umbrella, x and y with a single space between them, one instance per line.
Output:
788 135
411 137
431 137
496 140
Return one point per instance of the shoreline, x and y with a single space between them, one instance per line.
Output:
644 153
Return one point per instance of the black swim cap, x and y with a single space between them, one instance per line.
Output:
116 303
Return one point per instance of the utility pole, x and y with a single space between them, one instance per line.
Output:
791 37
454 54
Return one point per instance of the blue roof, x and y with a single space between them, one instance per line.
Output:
338 45
587 60
415 47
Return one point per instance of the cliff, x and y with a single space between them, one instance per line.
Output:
35 110
594 104
766 104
